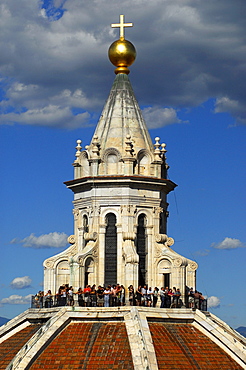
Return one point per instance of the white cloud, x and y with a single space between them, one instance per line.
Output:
16 299
51 240
158 117
51 116
213 302
21 282
203 252
193 51
229 243
225 104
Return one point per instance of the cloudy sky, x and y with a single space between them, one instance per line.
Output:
189 78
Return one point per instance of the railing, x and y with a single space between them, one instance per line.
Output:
43 302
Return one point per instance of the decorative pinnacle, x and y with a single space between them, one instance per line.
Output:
78 147
121 25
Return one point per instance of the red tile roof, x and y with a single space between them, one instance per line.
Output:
182 346
12 345
88 346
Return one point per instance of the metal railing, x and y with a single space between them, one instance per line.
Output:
43 302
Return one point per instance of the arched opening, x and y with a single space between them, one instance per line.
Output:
62 273
89 272
110 250
85 227
142 249
143 165
112 164
164 273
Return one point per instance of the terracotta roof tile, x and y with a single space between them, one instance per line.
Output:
182 346
12 345
88 346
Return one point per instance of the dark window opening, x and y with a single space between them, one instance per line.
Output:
166 280
110 250
141 249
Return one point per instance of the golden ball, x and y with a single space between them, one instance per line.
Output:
122 53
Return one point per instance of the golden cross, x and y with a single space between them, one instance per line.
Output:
121 25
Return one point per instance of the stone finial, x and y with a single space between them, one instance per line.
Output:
157 151
157 144
95 147
78 147
163 149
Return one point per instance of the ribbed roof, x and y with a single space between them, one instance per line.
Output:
88 346
122 116
128 338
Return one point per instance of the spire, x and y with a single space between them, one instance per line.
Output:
122 116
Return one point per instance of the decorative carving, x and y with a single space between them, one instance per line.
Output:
161 238
192 266
71 239
157 210
170 241
177 262
129 251
94 211
129 236
158 251
128 210
90 236
49 264
91 252
76 213
129 146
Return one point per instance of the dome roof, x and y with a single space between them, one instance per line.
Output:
119 338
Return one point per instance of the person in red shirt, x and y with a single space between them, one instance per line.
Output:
87 291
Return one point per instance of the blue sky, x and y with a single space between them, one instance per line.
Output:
189 80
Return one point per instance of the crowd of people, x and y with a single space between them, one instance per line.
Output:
115 295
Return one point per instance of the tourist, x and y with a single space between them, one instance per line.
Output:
191 297
81 301
155 296
176 297
144 295
87 295
169 298
122 295
70 299
100 296
196 299
149 297
63 296
114 292
131 295
93 296
202 303
162 296
107 293
139 295
48 299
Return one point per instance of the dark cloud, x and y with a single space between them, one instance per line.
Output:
188 52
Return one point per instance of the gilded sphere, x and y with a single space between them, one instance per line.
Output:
122 53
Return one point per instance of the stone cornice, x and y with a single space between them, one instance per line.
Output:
143 182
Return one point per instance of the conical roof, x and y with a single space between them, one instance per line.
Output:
122 116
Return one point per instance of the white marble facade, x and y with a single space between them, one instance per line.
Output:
120 207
